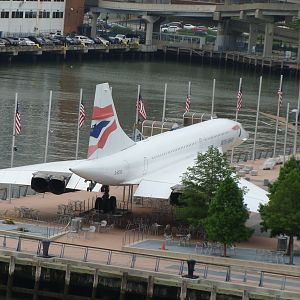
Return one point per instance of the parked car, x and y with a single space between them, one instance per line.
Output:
164 27
37 40
178 24
103 41
68 40
188 26
12 41
47 41
121 38
4 43
25 41
199 27
173 29
84 40
55 40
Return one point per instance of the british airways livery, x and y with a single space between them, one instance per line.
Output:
154 165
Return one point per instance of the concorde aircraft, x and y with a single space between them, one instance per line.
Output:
155 164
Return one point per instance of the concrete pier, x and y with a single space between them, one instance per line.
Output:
63 278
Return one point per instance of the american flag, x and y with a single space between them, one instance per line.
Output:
141 108
280 96
81 115
187 103
239 100
18 120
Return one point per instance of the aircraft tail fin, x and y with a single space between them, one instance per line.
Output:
106 135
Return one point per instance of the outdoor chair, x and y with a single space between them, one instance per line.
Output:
109 228
91 229
103 225
232 250
280 257
168 238
185 240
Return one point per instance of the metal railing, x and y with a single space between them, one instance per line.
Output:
261 277
134 235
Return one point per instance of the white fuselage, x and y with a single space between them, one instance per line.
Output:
147 156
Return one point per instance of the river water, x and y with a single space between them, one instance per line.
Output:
34 81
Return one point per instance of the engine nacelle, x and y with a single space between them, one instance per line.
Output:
39 182
48 182
57 184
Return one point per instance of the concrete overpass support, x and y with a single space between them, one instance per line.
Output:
226 38
252 39
268 42
149 28
220 39
94 24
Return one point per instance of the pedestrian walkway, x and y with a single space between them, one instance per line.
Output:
249 254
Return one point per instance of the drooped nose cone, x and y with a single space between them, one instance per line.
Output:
244 135
111 171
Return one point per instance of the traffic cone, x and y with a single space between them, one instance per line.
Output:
163 245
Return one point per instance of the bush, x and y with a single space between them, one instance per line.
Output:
9 222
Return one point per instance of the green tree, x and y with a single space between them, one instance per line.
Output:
200 184
282 213
227 215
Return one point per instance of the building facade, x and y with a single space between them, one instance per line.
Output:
24 17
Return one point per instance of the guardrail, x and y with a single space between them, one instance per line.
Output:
135 235
147 262
65 48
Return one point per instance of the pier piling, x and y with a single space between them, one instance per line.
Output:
245 295
67 282
213 293
11 271
123 287
183 290
150 287
38 271
95 284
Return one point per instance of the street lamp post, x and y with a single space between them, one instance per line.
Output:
296 111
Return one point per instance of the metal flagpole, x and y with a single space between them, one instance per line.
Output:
137 112
165 100
13 144
236 117
213 98
78 127
296 124
286 130
257 114
48 126
277 119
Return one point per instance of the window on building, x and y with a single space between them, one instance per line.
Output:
4 14
30 14
17 14
57 15
44 14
